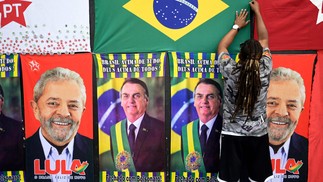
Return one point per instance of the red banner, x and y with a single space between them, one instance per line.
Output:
58 117
316 124
297 155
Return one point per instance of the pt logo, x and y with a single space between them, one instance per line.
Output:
13 11
291 166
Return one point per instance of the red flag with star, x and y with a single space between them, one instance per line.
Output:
13 11
293 24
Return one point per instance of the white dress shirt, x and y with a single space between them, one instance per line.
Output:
51 153
281 154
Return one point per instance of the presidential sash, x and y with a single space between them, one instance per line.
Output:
121 148
192 151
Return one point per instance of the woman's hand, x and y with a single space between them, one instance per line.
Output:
241 18
254 5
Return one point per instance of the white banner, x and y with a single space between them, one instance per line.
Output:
44 27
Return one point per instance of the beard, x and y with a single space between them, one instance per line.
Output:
280 134
59 134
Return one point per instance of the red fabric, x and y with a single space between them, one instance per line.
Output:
292 24
303 64
316 124
33 66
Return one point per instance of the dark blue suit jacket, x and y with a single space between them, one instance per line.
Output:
83 150
211 157
11 144
298 149
149 152
212 152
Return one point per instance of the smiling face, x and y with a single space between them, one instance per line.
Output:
59 110
206 101
284 107
134 101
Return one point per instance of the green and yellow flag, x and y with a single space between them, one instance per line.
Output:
152 25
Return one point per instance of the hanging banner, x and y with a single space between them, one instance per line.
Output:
130 65
193 65
315 125
40 27
304 35
151 25
285 95
59 117
194 73
11 123
131 91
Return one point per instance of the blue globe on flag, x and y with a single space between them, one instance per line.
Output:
183 110
109 110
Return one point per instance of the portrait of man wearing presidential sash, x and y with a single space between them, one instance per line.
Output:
138 141
200 138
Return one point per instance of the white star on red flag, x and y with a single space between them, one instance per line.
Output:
34 66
